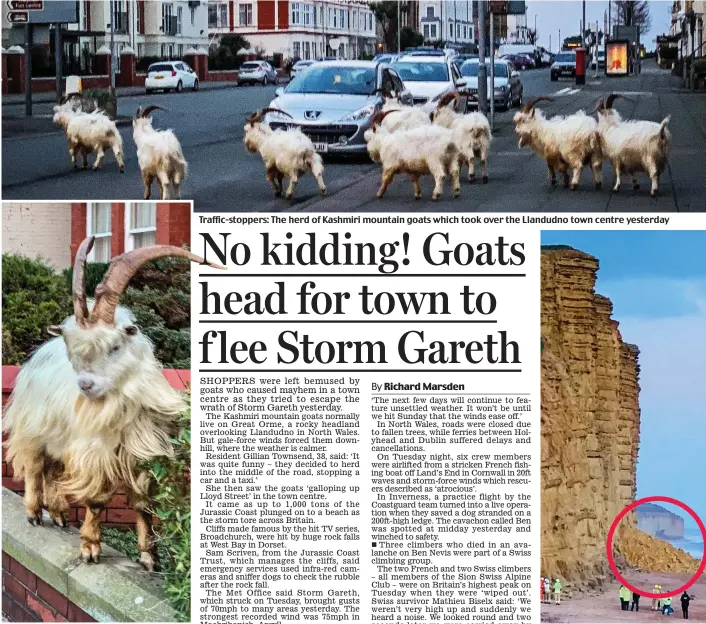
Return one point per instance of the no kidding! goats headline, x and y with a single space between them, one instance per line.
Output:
455 292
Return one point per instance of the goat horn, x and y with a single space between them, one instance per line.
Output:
377 118
123 268
530 104
78 281
600 103
445 99
256 117
148 110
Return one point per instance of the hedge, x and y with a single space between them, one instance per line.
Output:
34 297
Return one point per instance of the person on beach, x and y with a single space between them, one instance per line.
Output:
656 606
685 598
557 591
625 596
547 590
541 589
635 602
667 606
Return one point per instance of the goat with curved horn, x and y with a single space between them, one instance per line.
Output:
257 116
379 117
78 282
447 98
531 103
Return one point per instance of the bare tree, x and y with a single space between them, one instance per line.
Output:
633 13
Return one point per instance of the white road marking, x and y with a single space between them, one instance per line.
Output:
573 91
562 91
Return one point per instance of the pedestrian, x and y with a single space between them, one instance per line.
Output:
625 595
656 606
667 606
685 598
557 591
622 598
635 602
547 590
541 589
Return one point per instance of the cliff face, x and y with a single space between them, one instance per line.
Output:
590 419
660 522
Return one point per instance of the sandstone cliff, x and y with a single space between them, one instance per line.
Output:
660 522
590 418
590 430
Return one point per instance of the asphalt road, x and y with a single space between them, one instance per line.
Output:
224 177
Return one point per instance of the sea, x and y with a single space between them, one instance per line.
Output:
693 542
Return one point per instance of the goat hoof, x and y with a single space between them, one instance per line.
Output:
96 168
485 179
36 519
323 191
417 197
599 186
435 198
457 193
147 561
636 187
122 169
653 193
552 182
573 187
472 179
278 193
60 520
90 551
289 196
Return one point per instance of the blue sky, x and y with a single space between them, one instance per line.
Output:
553 15
657 283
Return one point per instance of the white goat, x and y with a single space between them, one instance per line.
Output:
91 405
158 154
409 116
88 132
417 152
633 146
471 131
286 153
563 142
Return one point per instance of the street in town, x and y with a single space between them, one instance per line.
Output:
223 176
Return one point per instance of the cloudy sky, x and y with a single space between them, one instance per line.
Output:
657 283
553 15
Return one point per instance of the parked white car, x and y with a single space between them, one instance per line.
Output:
300 66
427 77
170 75
260 72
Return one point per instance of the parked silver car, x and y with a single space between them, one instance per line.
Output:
509 90
427 77
257 72
300 66
332 102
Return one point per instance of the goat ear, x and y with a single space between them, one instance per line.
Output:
55 330
131 330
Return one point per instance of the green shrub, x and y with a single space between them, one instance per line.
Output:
33 297
172 505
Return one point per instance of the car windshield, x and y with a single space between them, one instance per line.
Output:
335 80
159 68
471 69
250 66
565 58
422 72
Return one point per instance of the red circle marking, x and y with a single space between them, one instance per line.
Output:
614 526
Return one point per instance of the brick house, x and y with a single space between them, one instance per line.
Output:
55 230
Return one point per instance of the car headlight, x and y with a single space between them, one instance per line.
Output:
361 113
554 66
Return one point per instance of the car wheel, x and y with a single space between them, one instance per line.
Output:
520 98
149 91
196 85
179 87
264 80
554 77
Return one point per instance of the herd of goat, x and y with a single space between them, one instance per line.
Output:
402 139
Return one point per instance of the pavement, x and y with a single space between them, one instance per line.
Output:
223 176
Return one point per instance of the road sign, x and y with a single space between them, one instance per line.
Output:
25 5
18 17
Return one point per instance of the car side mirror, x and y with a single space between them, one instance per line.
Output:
279 91
515 74
462 82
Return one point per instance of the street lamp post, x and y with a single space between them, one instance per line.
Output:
399 34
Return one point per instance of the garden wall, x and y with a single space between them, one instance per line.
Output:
44 580
117 513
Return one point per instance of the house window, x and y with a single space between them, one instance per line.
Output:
140 50
430 12
118 13
465 32
167 14
451 30
138 19
140 225
296 14
179 18
212 16
426 31
246 14
307 50
85 15
180 48
433 32
296 50
193 15
458 31
98 225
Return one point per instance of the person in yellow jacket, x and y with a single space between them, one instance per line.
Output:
625 595
656 606
557 591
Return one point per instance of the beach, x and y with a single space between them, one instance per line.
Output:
604 607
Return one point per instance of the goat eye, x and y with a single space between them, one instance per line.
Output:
114 349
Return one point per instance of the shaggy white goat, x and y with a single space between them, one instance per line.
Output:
563 142
286 153
472 133
427 150
88 132
158 154
91 405
633 146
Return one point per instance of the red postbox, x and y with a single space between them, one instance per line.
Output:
580 66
